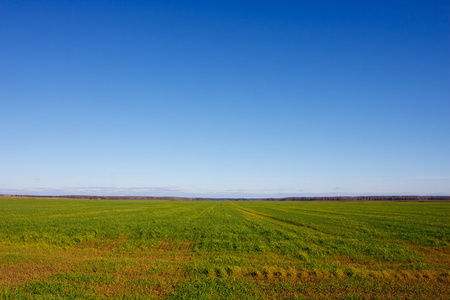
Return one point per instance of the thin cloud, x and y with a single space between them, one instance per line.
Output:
169 191
98 190
432 177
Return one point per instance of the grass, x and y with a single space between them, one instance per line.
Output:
91 249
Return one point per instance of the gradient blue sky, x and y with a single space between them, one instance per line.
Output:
225 98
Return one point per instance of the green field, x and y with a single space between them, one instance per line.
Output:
90 249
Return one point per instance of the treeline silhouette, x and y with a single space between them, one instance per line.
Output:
325 198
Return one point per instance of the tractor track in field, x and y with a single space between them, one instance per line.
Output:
285 224
279 220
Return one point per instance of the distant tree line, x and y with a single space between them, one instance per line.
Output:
332 198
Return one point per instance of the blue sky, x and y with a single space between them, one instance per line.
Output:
225 98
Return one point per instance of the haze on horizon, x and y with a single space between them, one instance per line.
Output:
225 98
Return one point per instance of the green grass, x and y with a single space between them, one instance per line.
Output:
90 249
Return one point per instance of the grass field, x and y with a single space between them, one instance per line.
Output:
90 249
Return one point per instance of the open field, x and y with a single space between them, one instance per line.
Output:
89 249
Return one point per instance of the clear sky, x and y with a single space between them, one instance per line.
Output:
225 98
